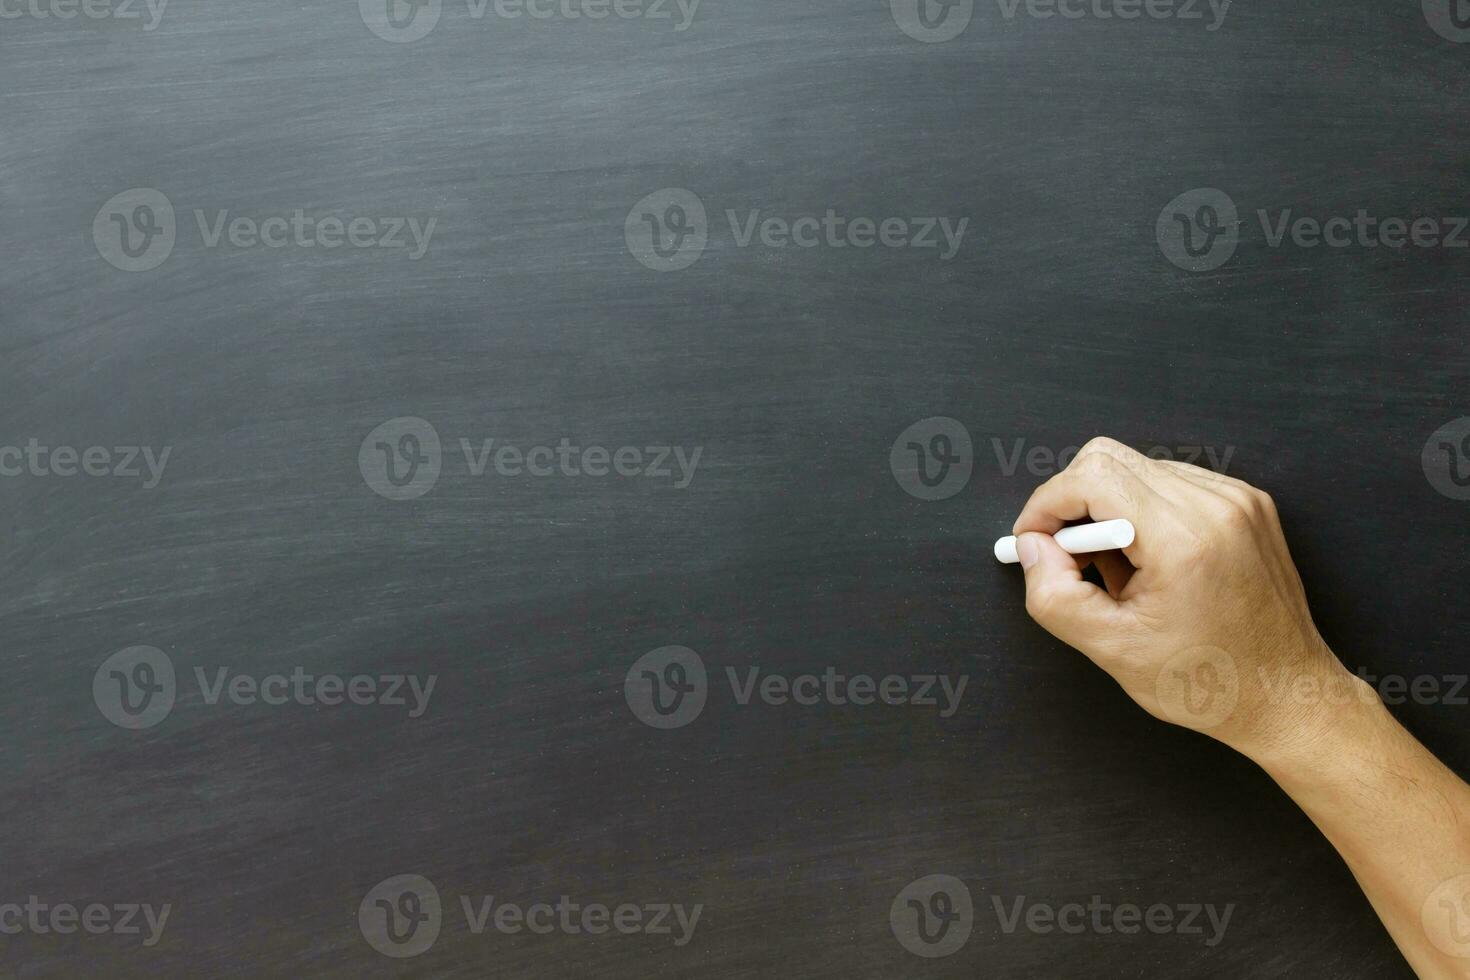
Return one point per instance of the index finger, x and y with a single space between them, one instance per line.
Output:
1098 486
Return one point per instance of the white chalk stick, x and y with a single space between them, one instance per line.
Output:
1080 540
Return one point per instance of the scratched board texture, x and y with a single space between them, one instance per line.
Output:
252 507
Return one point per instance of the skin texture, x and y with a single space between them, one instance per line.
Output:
1204 623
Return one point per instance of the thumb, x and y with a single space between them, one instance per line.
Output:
1067 606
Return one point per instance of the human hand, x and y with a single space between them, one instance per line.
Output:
1203 622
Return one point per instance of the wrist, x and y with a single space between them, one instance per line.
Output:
1342 733
1307 708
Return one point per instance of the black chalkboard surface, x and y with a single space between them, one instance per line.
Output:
461 508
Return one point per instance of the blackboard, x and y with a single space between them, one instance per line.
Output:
726 263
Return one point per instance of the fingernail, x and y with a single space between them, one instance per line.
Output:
1027 551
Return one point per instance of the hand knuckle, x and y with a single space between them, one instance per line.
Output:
1237 518
1096 463
1240 497
1104 446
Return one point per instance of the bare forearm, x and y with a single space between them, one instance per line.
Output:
1400 819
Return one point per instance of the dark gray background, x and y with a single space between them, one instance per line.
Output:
794 548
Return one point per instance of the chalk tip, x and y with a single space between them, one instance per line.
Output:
1005 550
1126 534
